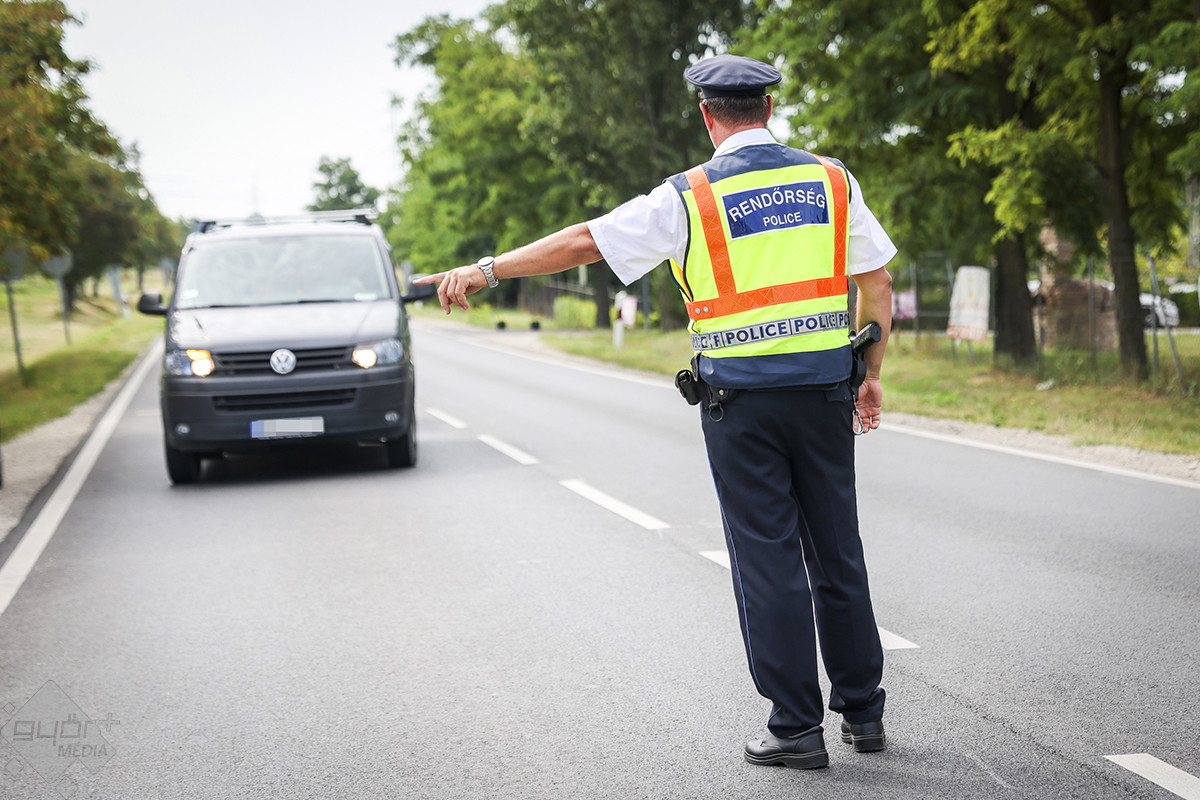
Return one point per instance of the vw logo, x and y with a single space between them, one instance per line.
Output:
283 361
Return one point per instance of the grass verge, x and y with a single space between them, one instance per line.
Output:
1062 396
58 376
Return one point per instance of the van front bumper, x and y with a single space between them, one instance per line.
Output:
245 414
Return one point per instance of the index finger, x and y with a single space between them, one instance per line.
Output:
430 278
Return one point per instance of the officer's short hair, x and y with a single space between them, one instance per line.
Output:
739 109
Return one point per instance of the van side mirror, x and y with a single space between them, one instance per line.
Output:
420 291
151 303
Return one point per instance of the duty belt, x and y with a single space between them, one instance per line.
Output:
775 329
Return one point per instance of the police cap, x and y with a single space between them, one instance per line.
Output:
729 76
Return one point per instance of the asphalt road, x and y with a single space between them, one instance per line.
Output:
538 610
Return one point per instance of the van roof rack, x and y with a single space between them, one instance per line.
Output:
362 216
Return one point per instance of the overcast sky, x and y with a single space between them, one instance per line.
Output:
233 102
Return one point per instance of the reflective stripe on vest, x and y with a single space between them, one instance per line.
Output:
729 300
776 329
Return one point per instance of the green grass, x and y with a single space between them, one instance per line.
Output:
482 315
55 385
58 375
930 378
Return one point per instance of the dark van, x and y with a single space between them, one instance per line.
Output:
286 332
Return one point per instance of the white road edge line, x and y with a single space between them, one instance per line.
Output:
616 506
1053 459
27 552
516 454
1171 778
889 640
453 422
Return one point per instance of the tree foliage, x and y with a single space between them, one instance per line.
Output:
549 112
67 184
44 122
475 183
1100 140
973 125
341 188
978 124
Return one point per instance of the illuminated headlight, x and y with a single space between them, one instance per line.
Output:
188 362
388 351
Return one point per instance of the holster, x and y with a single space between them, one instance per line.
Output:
869 335
695 390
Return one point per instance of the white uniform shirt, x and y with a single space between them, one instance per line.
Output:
637 236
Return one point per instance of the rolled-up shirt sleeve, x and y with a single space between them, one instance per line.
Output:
637 236
870 247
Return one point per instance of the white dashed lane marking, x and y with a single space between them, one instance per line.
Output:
616 506
516 454
453 422
1171 778
717 557
889 640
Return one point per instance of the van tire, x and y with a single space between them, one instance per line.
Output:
402 452
182 468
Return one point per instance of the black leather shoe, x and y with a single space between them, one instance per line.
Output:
865 736
806 751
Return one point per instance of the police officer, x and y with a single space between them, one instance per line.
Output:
761 240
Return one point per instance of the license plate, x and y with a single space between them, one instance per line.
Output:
287 428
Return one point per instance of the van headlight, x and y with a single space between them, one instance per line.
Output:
387 351
187 363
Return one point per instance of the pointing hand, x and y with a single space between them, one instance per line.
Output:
454 285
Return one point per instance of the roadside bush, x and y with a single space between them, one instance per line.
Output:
574 312
1189 308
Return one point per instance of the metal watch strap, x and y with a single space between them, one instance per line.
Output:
485 264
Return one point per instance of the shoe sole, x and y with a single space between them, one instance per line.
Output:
794 760
865 744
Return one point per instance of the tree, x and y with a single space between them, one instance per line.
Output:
476 183
1036 175
859 85
1098 99
548 112
108 228
341 188
614 105
44 121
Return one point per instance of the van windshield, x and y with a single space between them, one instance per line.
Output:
276 270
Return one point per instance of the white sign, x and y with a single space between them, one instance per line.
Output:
15 258
904 304
969 304
59 265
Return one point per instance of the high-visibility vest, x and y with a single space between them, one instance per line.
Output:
764 275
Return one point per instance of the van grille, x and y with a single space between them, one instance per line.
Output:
285 401
259 362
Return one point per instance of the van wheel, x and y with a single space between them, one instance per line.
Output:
402 452
182 467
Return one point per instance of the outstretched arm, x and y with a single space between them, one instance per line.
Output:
559 251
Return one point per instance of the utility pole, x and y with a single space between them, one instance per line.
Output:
1193 205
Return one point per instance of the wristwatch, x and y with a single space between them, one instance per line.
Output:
486 264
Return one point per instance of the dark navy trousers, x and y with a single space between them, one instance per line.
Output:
783 463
